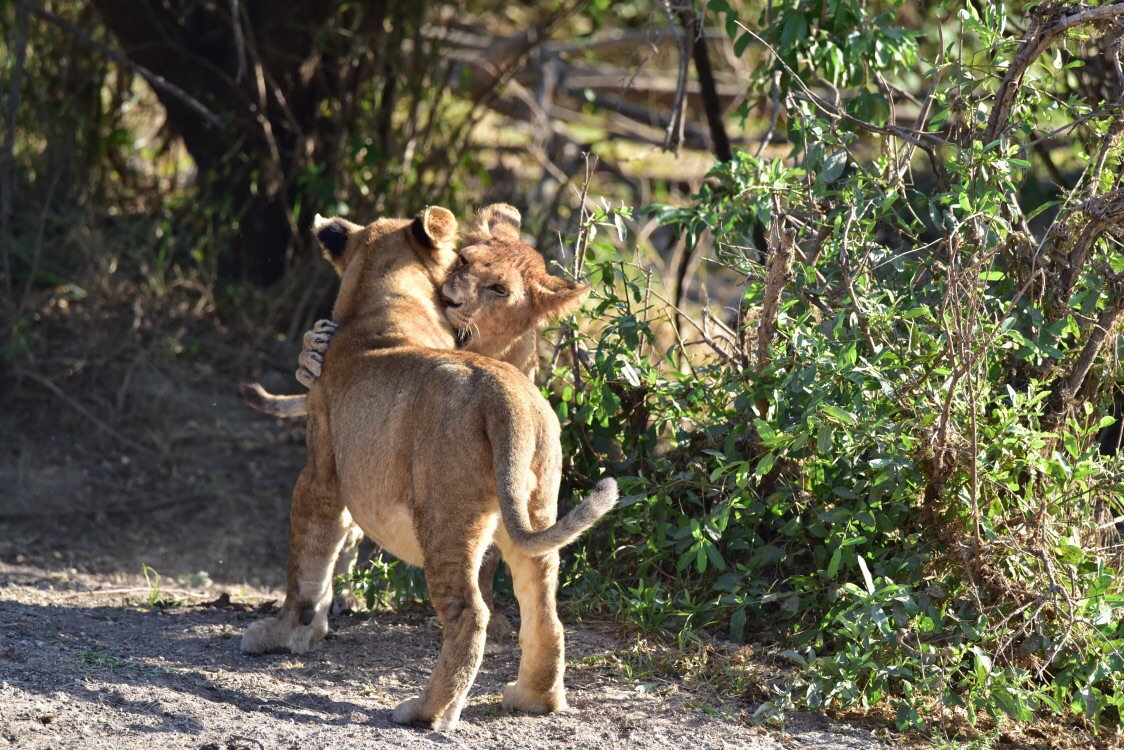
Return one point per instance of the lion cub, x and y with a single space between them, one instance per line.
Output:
488 313
436 455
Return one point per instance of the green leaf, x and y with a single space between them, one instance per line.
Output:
866 574
833 166
795 29
765 431
1040 209
742 42
715 557
737 625
839 414
795 657
630 375
1071 445
765 465
836 559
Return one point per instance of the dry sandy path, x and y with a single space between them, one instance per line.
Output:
87 665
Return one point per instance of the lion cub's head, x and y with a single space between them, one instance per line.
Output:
389 273
499 289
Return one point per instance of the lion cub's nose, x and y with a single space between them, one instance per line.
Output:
447 302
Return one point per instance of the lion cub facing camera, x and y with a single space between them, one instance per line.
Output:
436 455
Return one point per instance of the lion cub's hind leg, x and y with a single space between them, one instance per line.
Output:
539 688
318 525
452 567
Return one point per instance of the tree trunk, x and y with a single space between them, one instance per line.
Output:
268 74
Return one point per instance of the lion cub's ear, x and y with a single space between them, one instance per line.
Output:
554 297
499 220
333 234
435 228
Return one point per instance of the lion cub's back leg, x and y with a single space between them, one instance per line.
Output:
538 689
318 524
453 555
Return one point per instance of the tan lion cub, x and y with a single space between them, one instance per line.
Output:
488 313
436 455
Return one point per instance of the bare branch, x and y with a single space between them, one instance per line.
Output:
765 139
1047 25
674 136
782 241
712 105
1067 385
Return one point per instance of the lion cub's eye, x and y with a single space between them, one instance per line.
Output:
498 289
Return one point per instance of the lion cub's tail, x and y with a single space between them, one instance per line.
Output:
566 529
262 400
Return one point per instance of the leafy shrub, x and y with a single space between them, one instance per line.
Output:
890 455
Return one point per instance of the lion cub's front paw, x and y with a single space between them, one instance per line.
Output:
275 635
501 634
315 343
517 697
410 713
499 627
343 602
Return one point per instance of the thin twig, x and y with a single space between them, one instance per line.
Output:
781 241
673 138
712 105
239 41
128 590
1066 385
731 359
265 84
848 279
583 236
768 137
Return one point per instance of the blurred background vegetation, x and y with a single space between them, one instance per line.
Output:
854 348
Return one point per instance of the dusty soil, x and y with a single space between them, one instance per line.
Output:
83 665
135 460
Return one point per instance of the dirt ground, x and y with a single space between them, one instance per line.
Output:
130 463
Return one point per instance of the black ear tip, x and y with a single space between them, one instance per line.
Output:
331 233
417 228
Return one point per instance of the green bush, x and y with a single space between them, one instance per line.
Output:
890 455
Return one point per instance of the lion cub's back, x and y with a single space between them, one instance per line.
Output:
404 411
